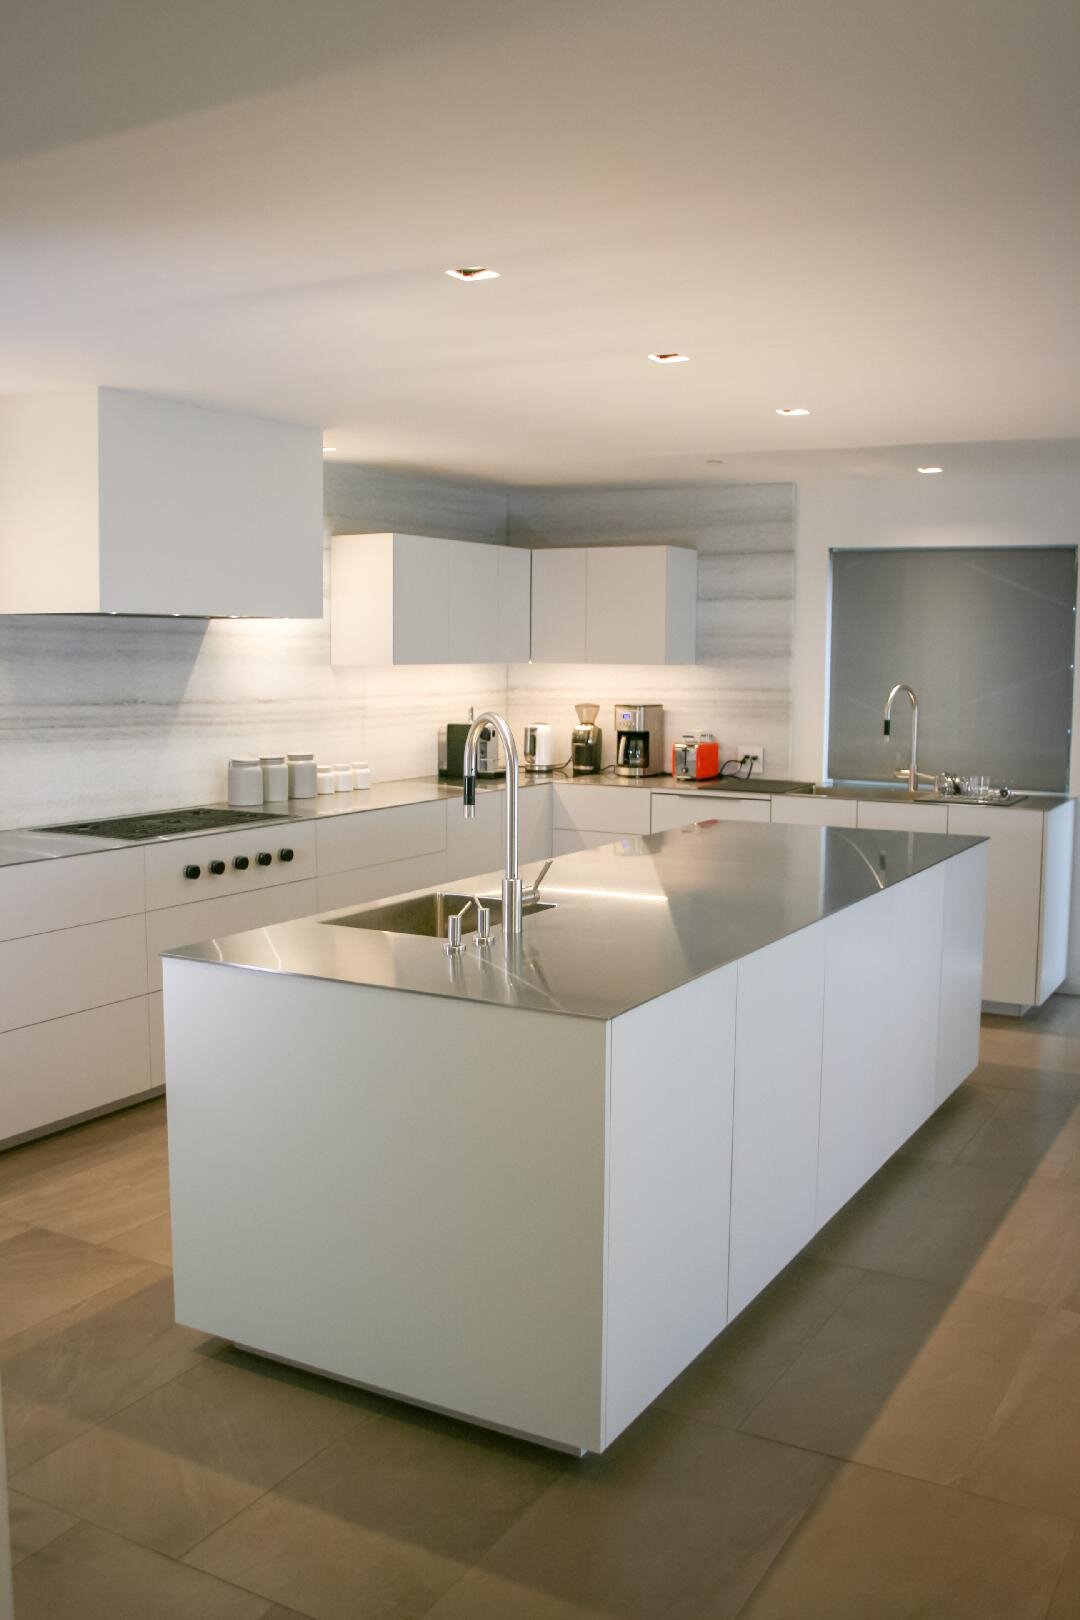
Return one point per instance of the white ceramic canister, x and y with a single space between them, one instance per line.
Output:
275 775
361 775
303 776
245 781
325 779
343 778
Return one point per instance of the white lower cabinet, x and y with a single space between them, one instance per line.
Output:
963 931
812 810
231 914
72 1066
375 837
569 840
777 1103
684 809
880 813
366 883
50 975
596 808
880 1032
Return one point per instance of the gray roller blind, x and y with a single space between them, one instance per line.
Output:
985 636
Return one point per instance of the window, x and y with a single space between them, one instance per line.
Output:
985 636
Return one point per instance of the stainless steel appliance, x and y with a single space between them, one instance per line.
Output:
164 823
696 759
586 741
639 739
452 752
539 752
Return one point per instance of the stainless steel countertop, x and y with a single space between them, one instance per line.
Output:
22 845
633 920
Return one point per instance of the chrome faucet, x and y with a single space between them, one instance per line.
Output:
511 886
913 767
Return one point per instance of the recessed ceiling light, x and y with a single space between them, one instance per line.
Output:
473 272
669 359
792 410
329 449
929 469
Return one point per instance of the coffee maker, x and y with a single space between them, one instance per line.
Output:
586 741
639 739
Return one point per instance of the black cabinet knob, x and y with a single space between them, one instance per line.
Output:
284 854
241 863
217 867
264 858
192 871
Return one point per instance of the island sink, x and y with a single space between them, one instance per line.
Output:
427 915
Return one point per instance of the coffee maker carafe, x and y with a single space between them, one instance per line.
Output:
586 741
639 739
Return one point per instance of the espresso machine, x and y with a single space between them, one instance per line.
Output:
586 741
639 739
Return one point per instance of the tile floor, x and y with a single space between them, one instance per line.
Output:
892 1430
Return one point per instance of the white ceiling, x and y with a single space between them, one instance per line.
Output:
867 207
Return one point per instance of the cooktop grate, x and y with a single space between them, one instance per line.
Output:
163 823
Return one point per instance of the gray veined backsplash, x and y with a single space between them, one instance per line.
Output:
100 715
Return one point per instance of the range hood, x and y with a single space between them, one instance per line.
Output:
113 501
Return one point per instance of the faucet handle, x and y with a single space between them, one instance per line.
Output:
453 946
533 891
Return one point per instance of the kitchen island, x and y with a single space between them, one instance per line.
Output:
528 1188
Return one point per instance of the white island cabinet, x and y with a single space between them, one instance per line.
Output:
529 1185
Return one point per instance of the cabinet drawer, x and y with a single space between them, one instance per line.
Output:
166 884
229 914
373 837
930 818
804 810
366 883
69 1066
1013 909
70 891
683 809
51 975
477 846
602 809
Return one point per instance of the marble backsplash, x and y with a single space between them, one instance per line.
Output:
99 715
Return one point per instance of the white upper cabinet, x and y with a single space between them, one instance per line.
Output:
559 587
113 501
615 605
410 599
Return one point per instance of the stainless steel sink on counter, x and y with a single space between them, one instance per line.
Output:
900 793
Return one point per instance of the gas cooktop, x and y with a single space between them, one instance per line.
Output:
163 823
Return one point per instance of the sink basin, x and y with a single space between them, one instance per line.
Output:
427 915
899 792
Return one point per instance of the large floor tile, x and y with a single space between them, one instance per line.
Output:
33 1525
678 1520
739 1367
877 1546
1007 1076
95 1142
1066 1604
86 1574
169 1469
1034 1251
948 1131
67 1373
906 1375
1017 1043
920 1220
97 1201
383 1523
152 1241
1031 1453
1021 1132
42 1273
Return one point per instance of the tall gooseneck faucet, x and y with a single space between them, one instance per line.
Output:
913 768
511 887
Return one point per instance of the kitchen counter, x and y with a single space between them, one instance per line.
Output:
529 1193
27 844
630 921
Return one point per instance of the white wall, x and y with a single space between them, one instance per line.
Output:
1031 509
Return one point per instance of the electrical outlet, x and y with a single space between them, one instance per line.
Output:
756 752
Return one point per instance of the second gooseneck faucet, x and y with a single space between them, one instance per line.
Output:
913 768
511 885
